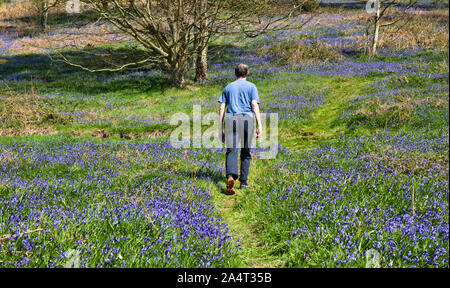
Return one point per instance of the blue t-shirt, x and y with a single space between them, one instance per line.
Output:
238 96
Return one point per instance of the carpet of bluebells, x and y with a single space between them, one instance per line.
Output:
356 195
380 189
118 204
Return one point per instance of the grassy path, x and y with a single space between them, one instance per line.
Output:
320 128
254 253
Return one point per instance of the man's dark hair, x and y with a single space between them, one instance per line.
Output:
241 70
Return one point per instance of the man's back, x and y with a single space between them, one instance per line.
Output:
238 96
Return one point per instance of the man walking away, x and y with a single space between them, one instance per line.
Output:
241 100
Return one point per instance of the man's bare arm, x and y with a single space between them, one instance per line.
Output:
221 114
255 109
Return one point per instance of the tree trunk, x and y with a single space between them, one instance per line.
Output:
44 14
201 39
376 29
177 70
177 79
201 65
376 32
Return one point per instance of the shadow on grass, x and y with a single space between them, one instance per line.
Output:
49 72
74 19
220 53
203 173
33 27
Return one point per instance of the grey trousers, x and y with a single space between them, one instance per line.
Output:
239 131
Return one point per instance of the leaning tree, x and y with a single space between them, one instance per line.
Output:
176 33
381 18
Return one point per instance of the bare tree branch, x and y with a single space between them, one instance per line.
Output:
175 32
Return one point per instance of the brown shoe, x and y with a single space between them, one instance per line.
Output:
230 186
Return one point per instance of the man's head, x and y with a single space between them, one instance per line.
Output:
241 71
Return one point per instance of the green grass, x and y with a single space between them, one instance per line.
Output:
262 246
321 127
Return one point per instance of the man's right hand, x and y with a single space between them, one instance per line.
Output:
255 109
